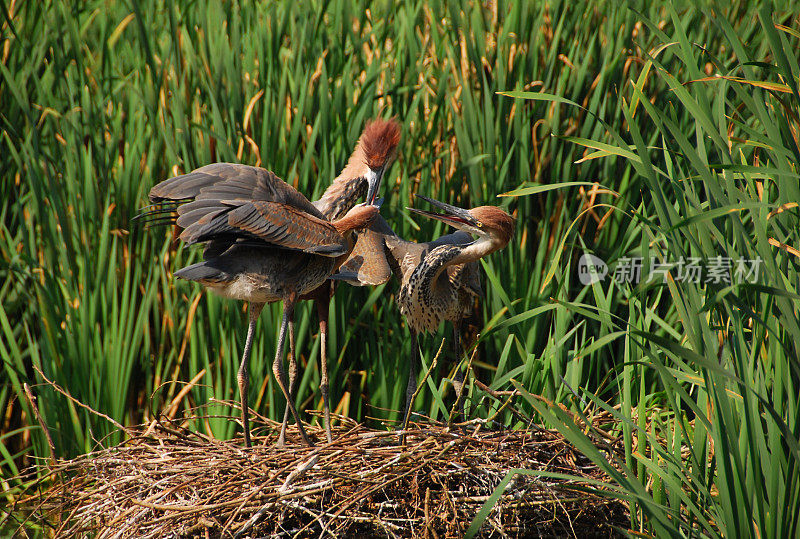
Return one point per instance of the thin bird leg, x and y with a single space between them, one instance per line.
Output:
292 380
458 377
243 376
277 366
323 308
411 387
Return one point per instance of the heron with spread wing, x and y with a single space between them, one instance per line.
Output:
263 242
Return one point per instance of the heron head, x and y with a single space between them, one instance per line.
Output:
483 221
379 143
495 220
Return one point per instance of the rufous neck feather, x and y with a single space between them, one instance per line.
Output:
375 148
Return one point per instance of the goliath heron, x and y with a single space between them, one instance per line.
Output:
264 242
439 278
373 154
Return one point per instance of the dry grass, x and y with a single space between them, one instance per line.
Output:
169 481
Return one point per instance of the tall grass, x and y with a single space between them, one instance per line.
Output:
100 101
706 386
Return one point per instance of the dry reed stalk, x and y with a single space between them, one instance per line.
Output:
167 481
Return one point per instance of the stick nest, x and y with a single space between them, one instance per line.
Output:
166 481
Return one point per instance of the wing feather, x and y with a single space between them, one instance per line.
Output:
206 187
369 262
277 224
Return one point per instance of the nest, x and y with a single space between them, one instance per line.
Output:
167 481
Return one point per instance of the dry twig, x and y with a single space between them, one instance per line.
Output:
364 483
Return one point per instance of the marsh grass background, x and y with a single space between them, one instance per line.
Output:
685 119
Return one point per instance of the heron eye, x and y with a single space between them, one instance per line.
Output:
480 225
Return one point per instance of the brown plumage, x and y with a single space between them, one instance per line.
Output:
264 242
371 262
379 142
272 266
374 152
433 288
439 279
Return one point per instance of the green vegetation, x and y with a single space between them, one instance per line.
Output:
687 120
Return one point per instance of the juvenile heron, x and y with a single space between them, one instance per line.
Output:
264 242
440 277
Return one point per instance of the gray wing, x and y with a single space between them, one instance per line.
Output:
456 238
206 186
228 203
272 223
226 181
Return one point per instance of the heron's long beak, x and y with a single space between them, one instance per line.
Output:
454 215
374 177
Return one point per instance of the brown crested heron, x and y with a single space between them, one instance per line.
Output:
374 152
264 242
439 278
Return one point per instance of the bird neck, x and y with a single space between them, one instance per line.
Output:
356 219
476 250
436 262
428 273
347 189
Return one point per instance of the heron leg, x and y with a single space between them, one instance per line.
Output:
411 386
458 377
280 372
292 380
323 308
243 377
